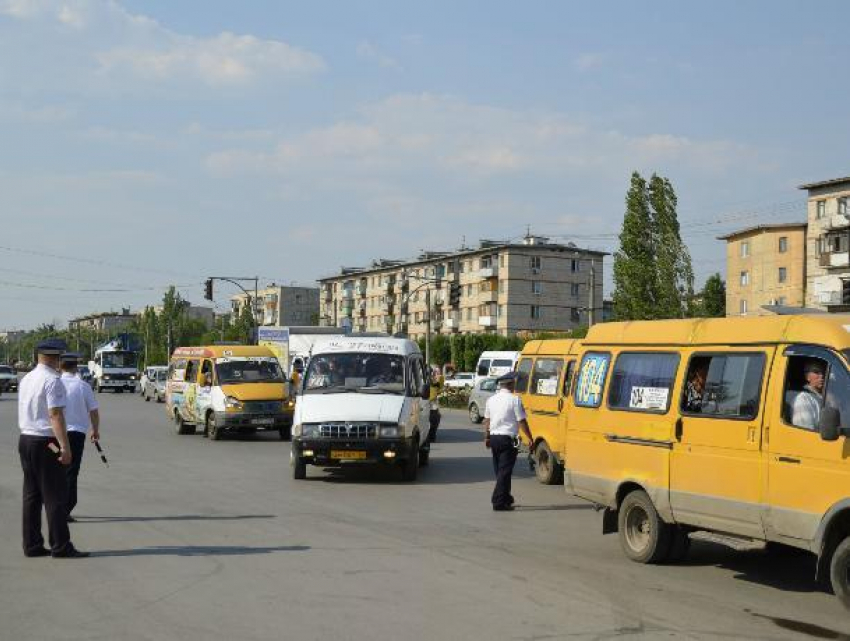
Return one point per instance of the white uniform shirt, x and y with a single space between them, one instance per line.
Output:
40 391
80 403
505 411
805 408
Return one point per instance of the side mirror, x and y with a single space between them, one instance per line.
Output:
829 424
425 393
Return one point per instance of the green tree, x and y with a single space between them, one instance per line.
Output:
713 297
674 273
635 282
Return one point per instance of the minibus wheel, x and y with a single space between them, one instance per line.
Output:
474 413
546 466
839 572
644 537
410 467
213 432
299 469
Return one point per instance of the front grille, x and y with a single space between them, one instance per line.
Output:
260 407
348 430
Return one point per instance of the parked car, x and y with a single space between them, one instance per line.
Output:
155 385
484 389
148 375
8 379
461 379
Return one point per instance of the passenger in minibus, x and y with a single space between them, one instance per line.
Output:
807 403
696 385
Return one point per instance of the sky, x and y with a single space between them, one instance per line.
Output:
145 143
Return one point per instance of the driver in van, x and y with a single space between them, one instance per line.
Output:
805 410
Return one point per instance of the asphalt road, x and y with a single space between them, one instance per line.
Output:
194 539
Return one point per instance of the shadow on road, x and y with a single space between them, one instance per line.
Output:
176 517
554 508
200 550
460 435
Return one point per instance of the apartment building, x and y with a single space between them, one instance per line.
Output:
765 265
280 305
102 322
499 287
828 248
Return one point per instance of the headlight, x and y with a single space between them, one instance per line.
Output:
106 378
310 431
289 404
233 403
132 377
392 431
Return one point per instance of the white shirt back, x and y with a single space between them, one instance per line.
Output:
40 391
80 403
505 411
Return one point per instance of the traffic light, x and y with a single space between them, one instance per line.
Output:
208 292
454 294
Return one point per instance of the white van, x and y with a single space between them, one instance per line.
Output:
494 364
362 400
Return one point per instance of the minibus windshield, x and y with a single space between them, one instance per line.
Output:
355 372
233 371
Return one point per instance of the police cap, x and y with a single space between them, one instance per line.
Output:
51 346
507 379
71 357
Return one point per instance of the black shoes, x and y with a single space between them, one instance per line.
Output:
71 519
503 508
37 552
71 553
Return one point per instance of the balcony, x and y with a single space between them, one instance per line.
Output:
362 308
402 286
829 298
489 272
329 294
388 287
347 294
451 324
835 259
488 296
361 289
347 309
837 221
487 321
388 305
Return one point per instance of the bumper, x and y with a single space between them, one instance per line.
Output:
8 386
240 421
320 451
124 384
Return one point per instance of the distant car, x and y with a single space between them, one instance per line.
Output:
148 375
85 373
461 379
484 389
8 379
155 385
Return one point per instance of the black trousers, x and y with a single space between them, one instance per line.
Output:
78 444
45 484
504 458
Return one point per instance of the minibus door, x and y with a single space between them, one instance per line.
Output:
545 399
715 462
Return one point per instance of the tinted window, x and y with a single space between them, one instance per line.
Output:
484 367
643 382
545 375
191 372
568 377
522 371
591 379
488 385
731 388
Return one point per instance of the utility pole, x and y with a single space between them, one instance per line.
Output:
428 326
591 312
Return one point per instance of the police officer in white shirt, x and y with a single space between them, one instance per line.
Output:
81 412
504 416
45 452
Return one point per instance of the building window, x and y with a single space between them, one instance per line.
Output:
575 265
745 249
535 264
743 307
535 312
783 274
575 289
842 206
536 287
780 300
468 313
821 209
501 260
501 286
469 290
783 244
745 279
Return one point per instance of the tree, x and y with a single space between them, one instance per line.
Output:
653 277
713 297
634 270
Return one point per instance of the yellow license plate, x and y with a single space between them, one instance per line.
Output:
347 454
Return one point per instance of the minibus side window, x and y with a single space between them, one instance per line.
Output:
484 367
191 372
591 379
178 369
207 371
723 385
642 382
814 379
545 375
522 372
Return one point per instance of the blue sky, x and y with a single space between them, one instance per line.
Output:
144 143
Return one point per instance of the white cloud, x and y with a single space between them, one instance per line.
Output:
588 61
368 51
121 45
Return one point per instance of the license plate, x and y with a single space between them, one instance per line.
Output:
347 454
263 421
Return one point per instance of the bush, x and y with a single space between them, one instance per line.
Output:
454 397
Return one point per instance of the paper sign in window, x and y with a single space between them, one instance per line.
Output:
649 398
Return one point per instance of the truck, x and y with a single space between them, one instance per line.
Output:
115 366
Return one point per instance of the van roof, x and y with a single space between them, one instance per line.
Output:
551 346
386 345
502 354
218 351
824 329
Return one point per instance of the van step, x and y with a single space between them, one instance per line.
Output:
738 543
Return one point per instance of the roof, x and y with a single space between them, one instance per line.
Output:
757 228
551 346
219 351
373 344
822 329
825 183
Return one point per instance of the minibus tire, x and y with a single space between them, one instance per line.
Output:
285 433
213 432
410 467
839 572
644 537
546 466
475 414
181 426
424 455
299 469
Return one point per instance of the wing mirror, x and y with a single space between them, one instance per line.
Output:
829 424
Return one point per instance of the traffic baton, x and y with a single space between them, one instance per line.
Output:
102 455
